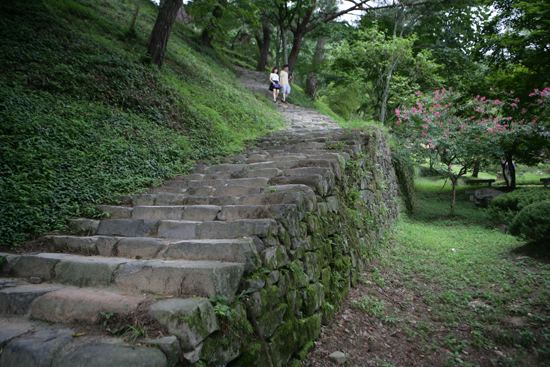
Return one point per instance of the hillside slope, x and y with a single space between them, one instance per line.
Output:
84 117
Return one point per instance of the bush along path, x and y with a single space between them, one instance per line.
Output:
236 264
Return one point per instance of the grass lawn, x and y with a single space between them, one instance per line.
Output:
445 291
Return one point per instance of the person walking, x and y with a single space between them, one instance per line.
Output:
285 85
274 79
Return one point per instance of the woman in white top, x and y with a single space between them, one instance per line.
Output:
274 79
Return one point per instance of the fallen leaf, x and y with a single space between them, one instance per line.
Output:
76 335
168 296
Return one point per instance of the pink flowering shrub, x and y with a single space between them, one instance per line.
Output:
450 134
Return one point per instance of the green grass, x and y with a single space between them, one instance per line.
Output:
85 117
470 274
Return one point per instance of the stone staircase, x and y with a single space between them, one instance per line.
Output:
156 258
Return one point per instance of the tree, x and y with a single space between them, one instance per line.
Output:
384 68
456 137
168 10
520 35
263 44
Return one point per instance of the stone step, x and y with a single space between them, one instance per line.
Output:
167 277
145 248
180 229
30 344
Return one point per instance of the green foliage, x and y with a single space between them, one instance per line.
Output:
504 207
384 72
83 119
221 308
371 305
533 222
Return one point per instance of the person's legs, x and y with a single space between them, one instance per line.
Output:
275 94
286 91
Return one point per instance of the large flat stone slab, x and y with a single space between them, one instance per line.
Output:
140 247
189 278
126 227
11 331
36 350
17 300
157 212
87 271
237 251
81 305
237 229
35 265
109 355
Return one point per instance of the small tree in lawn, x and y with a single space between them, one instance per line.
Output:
459 136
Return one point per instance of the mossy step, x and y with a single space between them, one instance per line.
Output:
168 277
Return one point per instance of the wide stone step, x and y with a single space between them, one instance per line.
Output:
25 344
180 229
145 248
167 277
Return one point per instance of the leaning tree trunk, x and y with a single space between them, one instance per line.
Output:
207 34
296 45
161 30
264 45
135 16
512 171
277 48
311 81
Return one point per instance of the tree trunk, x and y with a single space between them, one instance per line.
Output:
512 170
264 46
453 201
505 174
296 45
208 32
386 93
285 47
161 30
475 172
135 16
311 81
277 48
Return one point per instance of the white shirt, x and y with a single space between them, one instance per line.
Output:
274 77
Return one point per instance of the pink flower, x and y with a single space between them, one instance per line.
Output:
425 127
391 128
397 112
517 99
418 92
398 122
450 166
490 130
431 146
523 110
513 105
424 133
496 101
412 136
511 92
431 140
445 135
491 88
476 139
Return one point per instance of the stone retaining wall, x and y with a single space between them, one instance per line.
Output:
307 268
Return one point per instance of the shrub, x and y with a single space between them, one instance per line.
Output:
533 222
505 207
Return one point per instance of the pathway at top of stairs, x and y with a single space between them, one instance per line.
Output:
164 252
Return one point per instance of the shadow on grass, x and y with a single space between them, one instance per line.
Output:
536 251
